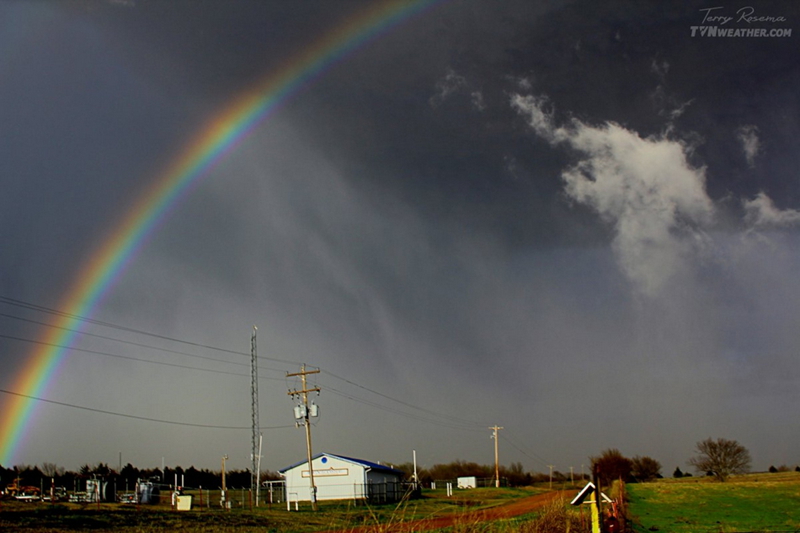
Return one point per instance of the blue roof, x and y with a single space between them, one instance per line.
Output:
368 464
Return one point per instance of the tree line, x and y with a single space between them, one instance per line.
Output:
46 473
513 475
720 458
42 475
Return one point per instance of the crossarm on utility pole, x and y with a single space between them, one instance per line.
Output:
496 457
304 393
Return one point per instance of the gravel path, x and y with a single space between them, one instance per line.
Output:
510 510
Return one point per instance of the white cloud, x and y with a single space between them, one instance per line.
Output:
760 212
667 105
454 83
446 86
646 188
748 136
660 69
477 100
523 83
539 119
679 109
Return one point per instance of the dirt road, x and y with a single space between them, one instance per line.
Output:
510 510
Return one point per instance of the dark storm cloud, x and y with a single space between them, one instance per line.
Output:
490 209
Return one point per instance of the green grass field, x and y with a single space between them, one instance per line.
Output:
756 502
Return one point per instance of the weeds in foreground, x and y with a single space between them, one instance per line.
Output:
477 515
557 518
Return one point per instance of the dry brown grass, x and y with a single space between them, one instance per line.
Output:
556 517
542 513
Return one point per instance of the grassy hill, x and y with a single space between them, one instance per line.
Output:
754 502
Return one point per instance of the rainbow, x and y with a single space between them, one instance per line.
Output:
217 140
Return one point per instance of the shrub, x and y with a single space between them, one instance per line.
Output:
612 465
645 468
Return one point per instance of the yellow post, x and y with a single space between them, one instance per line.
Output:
595 515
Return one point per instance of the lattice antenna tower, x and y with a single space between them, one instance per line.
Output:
254 476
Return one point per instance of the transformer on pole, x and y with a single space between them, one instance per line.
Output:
302 413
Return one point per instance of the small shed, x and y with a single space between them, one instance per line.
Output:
467 482
343 478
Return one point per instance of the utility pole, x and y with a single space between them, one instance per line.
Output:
223 496
496 457
305 418
551 476
416 477
255 444
571 476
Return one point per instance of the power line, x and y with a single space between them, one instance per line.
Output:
460 423
126 357
470 423
441 419
41 308
123 341
523 452
114 339
124 415
470 427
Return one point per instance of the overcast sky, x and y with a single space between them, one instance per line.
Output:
574 220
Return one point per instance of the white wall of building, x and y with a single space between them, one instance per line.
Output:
336 478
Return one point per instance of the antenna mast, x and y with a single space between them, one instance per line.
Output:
256 448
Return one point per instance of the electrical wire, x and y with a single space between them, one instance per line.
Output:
432 416
523 452
83 319
460 424
124 415
127 357
455 419
398 412
114 339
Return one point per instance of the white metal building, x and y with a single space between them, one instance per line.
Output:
343 478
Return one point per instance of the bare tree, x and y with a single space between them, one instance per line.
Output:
52 470
721 457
